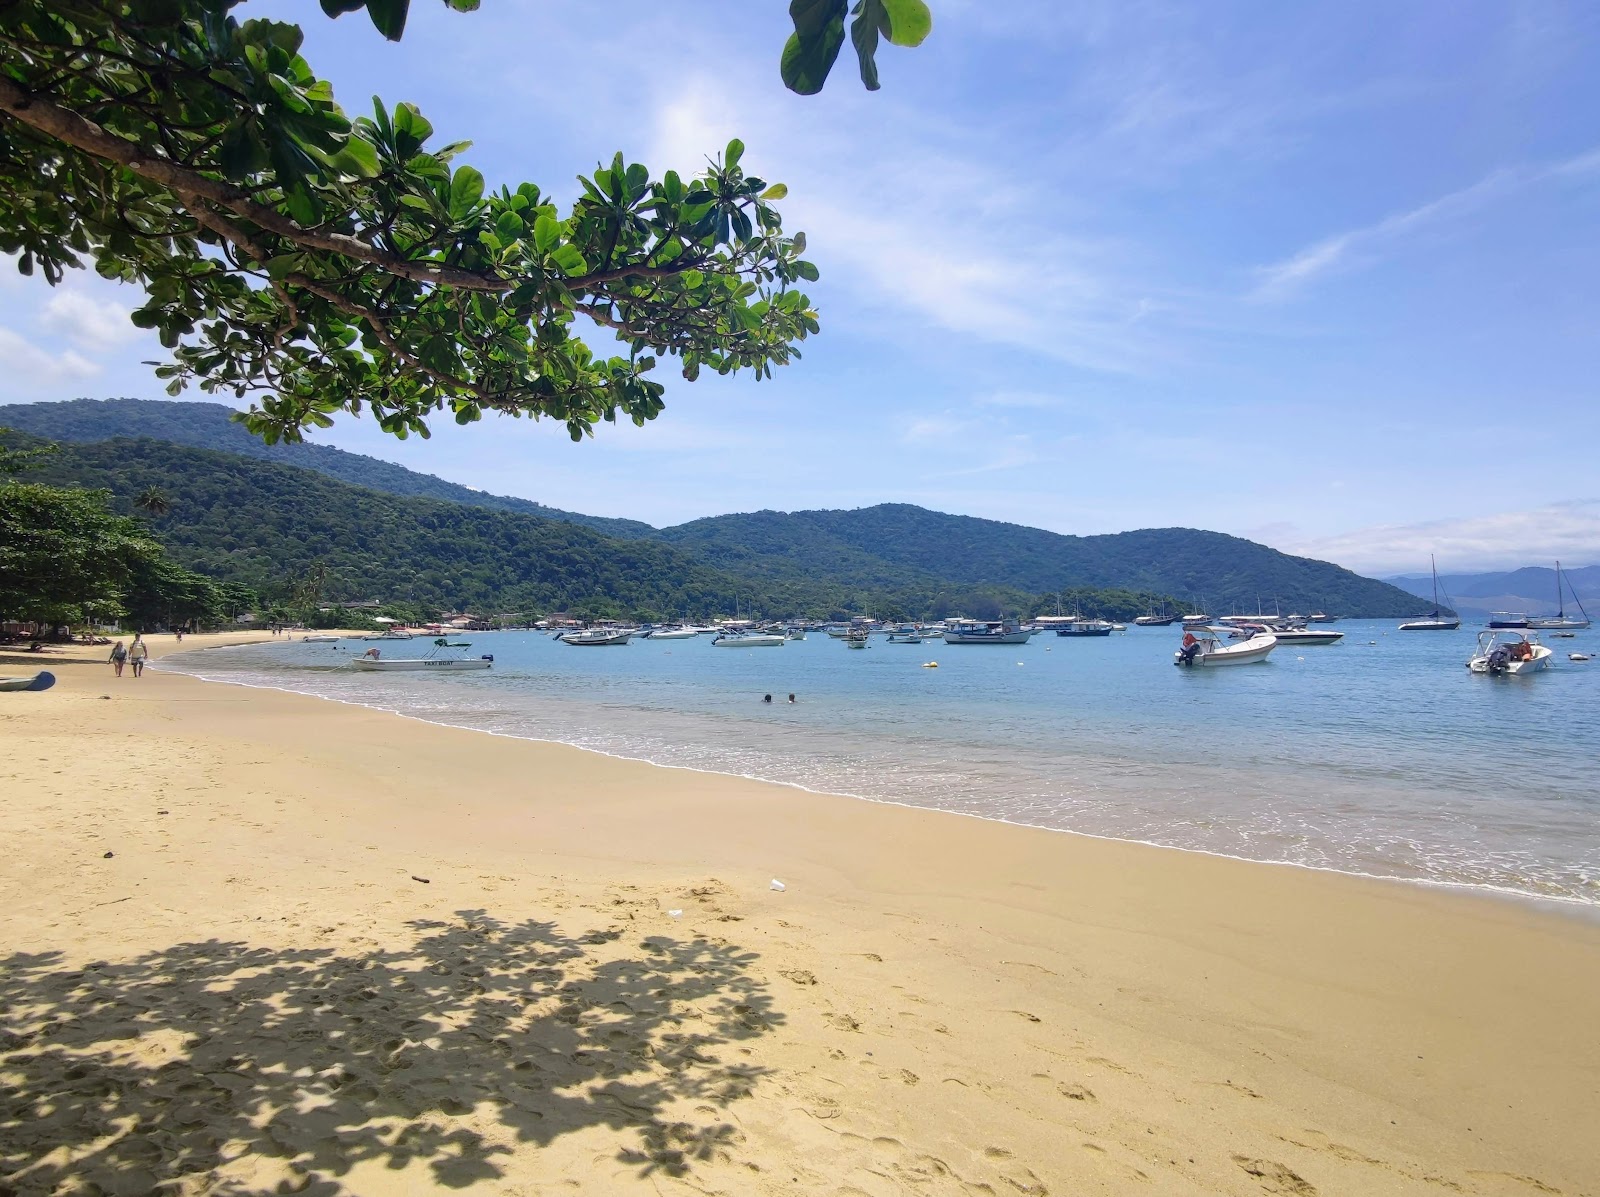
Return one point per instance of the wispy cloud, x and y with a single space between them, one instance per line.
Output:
32 368
90 324
1357 247
1569 531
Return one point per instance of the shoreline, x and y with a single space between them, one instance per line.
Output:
1553 904
424 957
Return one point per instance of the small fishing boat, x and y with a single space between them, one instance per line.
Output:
747 640
1206 650
795 634
904 638
440 659
858 638
598 637
1437 621
1509 652
42 680
1562 620
970 631
1508 619
1086 627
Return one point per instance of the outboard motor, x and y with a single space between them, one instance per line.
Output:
1499 659
1188 652
487 657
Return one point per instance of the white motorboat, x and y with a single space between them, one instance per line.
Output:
1204 648
970 631
796 633
1307 636
1438 621
387 634
1505 651
674 634
905 638
858 638
438 660
598 637
747 640
1577 656
1561 619
319 640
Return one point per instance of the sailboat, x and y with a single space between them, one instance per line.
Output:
1435 622
1561 621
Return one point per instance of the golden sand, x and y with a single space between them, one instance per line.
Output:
255 942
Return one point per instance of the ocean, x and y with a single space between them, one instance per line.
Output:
1381 755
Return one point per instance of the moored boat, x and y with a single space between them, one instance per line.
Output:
598 637
747 640
1206 650
1562 620
1085 627
1509 652
438 660
1437 621
972 631
1508 619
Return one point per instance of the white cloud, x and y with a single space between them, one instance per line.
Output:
1568 531
32 366
1357 246
89 323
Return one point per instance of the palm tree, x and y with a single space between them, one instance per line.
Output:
154 500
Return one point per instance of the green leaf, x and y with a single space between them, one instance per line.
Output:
733 153
810 52
508 226
909 21
807 271
358 158
777 191
466 189
570 261
864 37
389 16
546 232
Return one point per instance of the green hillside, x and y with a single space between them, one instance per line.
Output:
1226 573
269 526
210 426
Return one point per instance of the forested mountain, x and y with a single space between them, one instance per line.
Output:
893 557
210 426
274 527
1222 572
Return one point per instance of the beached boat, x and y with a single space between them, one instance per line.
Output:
970 631
598 637
1206 650
42 680
1437 621
440 659
1562 620
1509 652
747 640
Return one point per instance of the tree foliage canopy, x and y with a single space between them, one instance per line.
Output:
320 262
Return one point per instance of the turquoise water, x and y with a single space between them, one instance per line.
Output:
1380 755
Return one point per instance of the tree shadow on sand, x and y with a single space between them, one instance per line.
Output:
122 1078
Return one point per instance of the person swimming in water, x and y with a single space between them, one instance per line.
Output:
791 700
767 698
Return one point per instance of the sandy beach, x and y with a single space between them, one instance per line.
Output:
257 942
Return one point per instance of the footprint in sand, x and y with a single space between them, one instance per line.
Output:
843 1022
1075 1092
1276 1177
799 976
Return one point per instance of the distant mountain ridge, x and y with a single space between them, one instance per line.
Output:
210 426
893 549
1531 589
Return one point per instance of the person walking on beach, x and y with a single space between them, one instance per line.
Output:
119 656
138 653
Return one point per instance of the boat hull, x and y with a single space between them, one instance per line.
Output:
42 680
748 642
418 663
1538 663
1431 625
1251 652
978 638
1312 638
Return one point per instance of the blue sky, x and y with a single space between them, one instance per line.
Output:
1326 276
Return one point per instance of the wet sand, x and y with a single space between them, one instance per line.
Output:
256 940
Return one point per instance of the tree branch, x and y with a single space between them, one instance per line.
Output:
65 125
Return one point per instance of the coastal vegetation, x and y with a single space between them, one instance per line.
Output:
322 263
274 528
